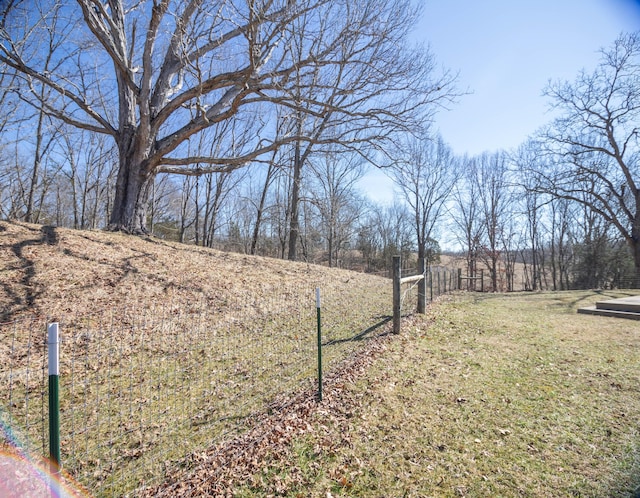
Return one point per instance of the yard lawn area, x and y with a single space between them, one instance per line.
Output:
486 395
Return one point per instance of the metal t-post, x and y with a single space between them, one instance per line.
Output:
53 347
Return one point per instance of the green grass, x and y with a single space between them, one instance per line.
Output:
487 395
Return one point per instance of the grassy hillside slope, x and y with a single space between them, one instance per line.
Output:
47 271
166 348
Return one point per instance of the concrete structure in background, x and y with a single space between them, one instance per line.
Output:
624 307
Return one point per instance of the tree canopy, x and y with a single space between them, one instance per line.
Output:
153 75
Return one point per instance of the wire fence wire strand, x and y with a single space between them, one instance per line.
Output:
142 388
23 375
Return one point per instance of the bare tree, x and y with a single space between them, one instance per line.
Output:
177 69
595 141
165 208
8 106
86 162
394 228
466 214
211 192
336 200
42 132
509 240
29 171
260 205
275 167
532 207
391 93
494 199
560 245
8 102
367 241
425 175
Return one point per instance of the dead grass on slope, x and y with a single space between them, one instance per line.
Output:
50 271
167 347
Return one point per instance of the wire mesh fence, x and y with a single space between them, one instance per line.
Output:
23 372
142 387
438 280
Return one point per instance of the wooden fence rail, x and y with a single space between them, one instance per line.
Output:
445 281
471 278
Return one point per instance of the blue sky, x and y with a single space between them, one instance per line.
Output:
506 51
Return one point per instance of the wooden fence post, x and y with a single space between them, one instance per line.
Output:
396 294
422 287
459 278
319 328
430 284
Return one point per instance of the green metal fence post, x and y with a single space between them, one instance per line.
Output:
53 347
319 327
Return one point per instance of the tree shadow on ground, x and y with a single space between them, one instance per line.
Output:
23 301
126 266
603 295
364 334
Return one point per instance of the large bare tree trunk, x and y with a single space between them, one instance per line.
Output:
294 226
634 244
131 198
130 206
135 177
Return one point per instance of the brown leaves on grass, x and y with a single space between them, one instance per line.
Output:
124 289
254 459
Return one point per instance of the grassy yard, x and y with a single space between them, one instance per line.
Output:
487 395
